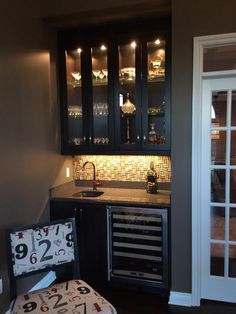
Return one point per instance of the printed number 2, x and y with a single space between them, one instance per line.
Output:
59 297
48 245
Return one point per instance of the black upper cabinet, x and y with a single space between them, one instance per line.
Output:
115 90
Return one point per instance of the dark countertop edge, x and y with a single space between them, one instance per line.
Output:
109 184
108 202
67 189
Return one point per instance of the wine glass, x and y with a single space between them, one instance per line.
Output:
101 75
76 76
96 73
105 72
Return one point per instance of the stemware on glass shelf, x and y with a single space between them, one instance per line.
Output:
76 76
75 111
96 74
100 75
127 74
105 72
101 140
100 109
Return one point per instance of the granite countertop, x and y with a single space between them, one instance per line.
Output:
134 194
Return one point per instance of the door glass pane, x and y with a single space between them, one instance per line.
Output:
100 95
217 259
218 223
127 79
218 109
232 225
218 185
74 96
233 148
232 261
233 112
218 147
156 91
219 58
232 186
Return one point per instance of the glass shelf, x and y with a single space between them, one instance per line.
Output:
99 82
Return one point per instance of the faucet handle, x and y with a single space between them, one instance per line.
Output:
98 183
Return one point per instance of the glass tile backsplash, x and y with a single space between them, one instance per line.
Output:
122 168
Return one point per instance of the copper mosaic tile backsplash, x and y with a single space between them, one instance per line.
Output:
122 168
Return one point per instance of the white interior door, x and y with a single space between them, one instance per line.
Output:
218 189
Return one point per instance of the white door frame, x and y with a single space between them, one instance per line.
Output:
199 44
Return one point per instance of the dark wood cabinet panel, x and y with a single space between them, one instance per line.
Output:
92 237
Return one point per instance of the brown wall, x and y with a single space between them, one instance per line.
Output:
29 135
189 19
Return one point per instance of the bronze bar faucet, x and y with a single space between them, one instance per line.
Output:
94 173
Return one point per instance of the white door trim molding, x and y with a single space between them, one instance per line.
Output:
199 44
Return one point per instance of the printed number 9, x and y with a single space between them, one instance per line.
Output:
69 239
21 250
29 307
83 290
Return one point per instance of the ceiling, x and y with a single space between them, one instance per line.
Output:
106 15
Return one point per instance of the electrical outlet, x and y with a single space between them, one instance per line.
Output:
67 172
1 286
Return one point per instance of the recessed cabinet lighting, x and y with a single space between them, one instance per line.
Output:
133 44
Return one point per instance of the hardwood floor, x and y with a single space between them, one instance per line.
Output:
129 302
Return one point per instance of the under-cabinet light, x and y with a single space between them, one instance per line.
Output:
103 47
79 50
157 41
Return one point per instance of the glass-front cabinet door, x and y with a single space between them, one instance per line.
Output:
154 93
142 95
88 110
127 95
100 96
74 108
116 95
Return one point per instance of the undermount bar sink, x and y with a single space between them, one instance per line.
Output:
89 193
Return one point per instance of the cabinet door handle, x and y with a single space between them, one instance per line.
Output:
138 138
90 139
84 139
144 138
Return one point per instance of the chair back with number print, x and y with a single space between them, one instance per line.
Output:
39 248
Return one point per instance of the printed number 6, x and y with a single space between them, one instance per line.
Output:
33 259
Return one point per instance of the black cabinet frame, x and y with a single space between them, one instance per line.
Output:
112 36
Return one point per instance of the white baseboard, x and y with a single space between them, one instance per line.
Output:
180 298
45 281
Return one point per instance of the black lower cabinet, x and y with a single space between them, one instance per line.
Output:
92 237
120 247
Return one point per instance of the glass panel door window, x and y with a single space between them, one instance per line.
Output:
127 92
156 92
223 184
100 95
74 96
